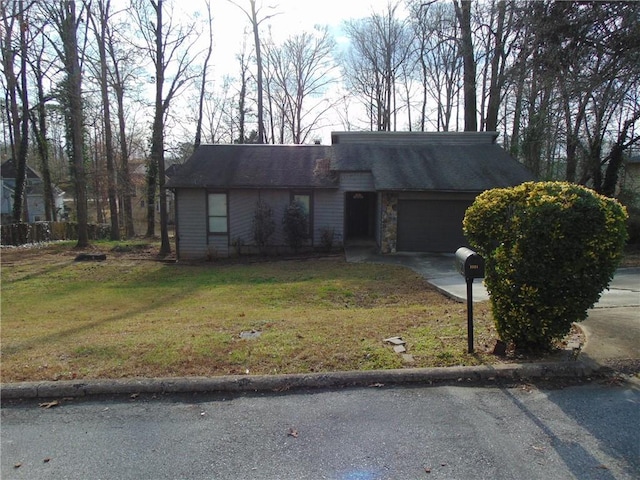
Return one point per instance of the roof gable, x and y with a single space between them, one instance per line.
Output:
8 170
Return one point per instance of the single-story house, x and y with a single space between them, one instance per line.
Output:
405 191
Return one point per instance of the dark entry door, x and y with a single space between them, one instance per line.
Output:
360 214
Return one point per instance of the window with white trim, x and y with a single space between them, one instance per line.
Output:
304 198
217 211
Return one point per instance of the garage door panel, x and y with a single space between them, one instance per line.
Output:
431 225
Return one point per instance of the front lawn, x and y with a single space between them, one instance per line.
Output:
132 315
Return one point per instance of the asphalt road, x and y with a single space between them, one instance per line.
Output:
446 432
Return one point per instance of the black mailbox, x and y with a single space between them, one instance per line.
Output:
469 263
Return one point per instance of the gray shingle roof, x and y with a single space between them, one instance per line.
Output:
254 166
406 166
432 167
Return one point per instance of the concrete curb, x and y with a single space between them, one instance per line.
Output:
278 383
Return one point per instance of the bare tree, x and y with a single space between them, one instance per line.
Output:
167 45
124 63
379 45
582 63
203 80
38 118
498 57
255 18
436 33
100 29
14 44
67 21
463 13
300 72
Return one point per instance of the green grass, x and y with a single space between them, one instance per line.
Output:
134 316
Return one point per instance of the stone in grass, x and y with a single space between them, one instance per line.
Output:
395 340
399 349
250 335
407 358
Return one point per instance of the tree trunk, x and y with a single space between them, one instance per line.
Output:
21 165
125 177
610 181
72 67
256 39
203 83
18 115
157 138
497 76
108 136
39 127
463 12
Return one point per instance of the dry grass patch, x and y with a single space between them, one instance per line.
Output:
133 316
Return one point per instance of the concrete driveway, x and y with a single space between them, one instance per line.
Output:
613 325
437 268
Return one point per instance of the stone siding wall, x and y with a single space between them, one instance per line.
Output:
389 223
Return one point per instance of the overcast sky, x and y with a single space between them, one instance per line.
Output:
292 16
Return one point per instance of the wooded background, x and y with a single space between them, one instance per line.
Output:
94 89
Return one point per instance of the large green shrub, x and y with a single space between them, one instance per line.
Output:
550 248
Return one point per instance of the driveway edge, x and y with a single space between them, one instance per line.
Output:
486 374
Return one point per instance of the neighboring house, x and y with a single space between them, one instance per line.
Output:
34 192
630 178
405 191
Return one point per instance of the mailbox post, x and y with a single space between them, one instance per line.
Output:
470 265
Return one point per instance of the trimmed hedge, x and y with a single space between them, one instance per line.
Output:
550 248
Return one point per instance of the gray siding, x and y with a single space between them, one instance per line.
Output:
192 223
278 199
242 205
328 213
218 246
357 182
378 229
195 243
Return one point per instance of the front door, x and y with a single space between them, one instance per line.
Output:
360 215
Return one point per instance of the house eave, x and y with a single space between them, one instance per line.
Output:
251 187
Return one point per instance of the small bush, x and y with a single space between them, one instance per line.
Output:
551 248
327 236
295 224
263 224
